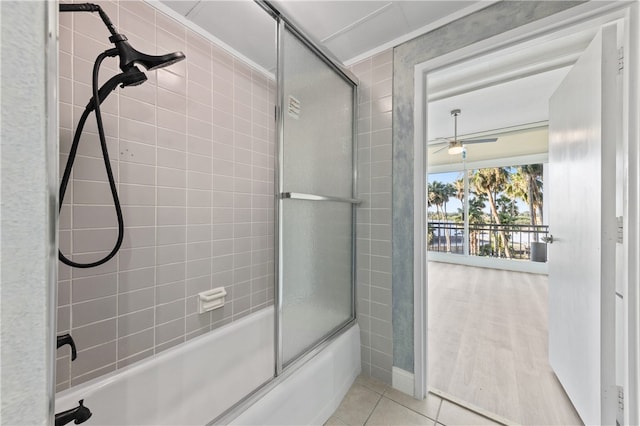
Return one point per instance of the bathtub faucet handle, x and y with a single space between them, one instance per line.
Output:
78 415
66 339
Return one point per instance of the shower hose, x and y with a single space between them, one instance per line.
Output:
94 105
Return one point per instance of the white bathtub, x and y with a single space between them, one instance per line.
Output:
194 383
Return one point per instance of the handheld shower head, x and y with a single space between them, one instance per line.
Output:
132 77
130 56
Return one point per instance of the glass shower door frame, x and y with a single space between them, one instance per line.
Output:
281 372
283 27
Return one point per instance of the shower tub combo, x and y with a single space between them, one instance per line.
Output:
195 383
292 361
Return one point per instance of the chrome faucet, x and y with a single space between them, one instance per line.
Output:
80 414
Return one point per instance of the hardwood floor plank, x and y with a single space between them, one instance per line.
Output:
488 343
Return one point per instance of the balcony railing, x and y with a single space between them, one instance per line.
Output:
485 239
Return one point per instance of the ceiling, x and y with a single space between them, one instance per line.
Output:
500 92
512 103
495 91
240 26
348 30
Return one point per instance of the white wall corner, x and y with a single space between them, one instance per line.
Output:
402 380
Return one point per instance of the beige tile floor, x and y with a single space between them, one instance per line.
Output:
370 402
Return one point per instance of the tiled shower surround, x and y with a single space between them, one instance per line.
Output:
192 151
374 214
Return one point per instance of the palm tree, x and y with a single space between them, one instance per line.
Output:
459 189
434 197
438 195
517 188
448 191
476 207
533 174
476 216
491 182
526 184
507 209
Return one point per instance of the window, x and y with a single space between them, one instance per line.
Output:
498 213
445 192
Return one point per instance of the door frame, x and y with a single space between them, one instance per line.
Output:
594 13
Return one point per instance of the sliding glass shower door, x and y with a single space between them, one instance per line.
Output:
316 200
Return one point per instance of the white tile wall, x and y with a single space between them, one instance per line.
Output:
192 150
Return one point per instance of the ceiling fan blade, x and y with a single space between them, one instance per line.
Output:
441 149
439 141
470 141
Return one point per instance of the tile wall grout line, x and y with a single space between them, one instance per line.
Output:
211 178
71 194
186 195
155 206
117 257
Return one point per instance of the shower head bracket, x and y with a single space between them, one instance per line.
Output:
128 55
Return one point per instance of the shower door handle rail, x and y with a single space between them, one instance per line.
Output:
315 197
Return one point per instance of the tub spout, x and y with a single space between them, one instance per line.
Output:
80 414
66 339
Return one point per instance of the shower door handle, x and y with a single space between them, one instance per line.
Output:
315 197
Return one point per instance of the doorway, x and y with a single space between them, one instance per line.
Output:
487 319
540 61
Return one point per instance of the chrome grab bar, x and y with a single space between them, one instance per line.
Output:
314 197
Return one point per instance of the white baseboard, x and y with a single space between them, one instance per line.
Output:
541 268
402 380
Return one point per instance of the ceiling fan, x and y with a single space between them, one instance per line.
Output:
455 146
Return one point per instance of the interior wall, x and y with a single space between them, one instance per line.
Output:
633 315
373 246
192 151
494 19
27 225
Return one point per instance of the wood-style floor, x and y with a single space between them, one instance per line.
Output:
488 343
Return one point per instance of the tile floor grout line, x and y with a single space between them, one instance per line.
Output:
411 409
437 412
435 420
339 418
441 395
373 390
374 409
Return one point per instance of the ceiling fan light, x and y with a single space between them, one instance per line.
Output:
455 149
